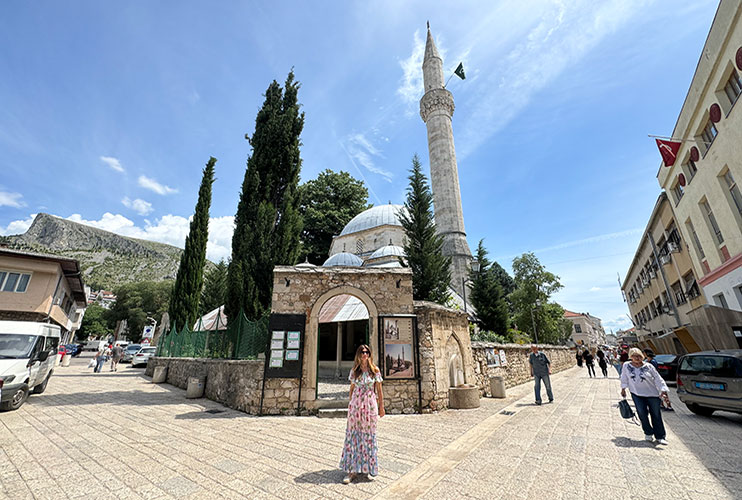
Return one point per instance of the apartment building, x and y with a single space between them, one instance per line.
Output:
587 330
702 181
38 287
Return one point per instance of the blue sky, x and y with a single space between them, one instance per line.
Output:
109 111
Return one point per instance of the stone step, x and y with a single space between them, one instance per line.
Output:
333 413
332 403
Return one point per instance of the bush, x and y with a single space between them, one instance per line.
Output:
485 336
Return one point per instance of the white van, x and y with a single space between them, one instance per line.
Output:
27 354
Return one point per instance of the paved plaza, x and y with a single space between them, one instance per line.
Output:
116 435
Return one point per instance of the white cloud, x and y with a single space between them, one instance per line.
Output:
112 162
17 226
595 289
139 206
618 323
361 151
155 186
592 239
411 86
8 199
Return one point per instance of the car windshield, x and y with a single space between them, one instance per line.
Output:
665 358
715 366
13 345
149 350
133 348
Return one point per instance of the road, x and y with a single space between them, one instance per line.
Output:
116 435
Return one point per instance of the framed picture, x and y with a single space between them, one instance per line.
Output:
292 355
294 335
503 359
493 358
277 344
276 363
277 335
399 361
292 344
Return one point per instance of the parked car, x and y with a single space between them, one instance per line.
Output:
27 356
129 352
73 349
667 365
710 381
95 345
143 355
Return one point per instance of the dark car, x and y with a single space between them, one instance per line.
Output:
710 381
72 349
667 365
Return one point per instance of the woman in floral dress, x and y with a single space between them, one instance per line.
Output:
366 401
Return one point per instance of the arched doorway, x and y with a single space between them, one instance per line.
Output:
343 326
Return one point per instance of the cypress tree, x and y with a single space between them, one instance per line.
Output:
186 293
487 295
267 223
215 286
431 273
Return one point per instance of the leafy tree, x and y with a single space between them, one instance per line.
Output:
137 301
268 223
506 281
183 308
431 272
328 203
94 323
534 286
487 295
215 285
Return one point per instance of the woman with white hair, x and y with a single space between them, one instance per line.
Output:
646 387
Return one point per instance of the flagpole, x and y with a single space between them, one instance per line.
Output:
449 79
674 139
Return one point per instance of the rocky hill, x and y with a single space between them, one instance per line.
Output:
107 259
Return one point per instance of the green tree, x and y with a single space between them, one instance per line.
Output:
431 272
189 281
215 286
487 295
328 203
268 223
137 301
534 286
94 323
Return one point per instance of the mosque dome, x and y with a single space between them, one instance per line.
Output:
306 264
379 215
343 259
388 251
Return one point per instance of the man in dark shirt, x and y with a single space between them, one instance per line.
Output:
540 370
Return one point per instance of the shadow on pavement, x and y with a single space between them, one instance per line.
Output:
134 397
328 476
212 413
624 442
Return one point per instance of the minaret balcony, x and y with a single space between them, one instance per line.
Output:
435 100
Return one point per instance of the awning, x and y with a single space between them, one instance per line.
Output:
343 308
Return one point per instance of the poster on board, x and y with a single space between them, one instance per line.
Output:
493 358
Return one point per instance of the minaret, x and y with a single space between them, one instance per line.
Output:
436 110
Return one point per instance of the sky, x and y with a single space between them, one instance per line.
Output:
110 110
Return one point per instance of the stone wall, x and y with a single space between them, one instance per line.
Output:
233 383
517 369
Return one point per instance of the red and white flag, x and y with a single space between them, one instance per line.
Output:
668 150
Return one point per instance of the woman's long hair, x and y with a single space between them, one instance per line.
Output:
357 370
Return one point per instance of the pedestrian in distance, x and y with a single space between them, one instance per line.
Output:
649 353
366 405
116 354
646 387
602 362
579 357
540 371
589 362
622 358
613 358
100 359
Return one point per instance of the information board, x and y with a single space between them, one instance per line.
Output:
285 346
399 347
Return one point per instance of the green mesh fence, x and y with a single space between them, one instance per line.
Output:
242 339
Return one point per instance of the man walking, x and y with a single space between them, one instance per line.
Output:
540 370
116 353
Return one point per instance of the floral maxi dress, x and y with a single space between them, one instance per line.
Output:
359 451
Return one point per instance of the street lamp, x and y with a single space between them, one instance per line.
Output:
533 321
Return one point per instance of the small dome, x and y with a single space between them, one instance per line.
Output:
388 251
385 264
380 215
343 259
306 264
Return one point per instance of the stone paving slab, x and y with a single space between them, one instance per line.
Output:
116 435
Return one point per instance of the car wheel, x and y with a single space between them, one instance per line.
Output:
19 397
39 389
700 410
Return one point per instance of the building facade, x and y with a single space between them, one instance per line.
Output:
587 330
661 287
38 287
702 182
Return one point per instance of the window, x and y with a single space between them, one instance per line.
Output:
721 301
677 192
14 282
733 87
733 190
691 169
712 221
708 134
696 241
715 366
578 328
359 246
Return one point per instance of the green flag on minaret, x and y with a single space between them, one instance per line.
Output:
460 71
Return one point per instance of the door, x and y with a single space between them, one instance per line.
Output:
35 366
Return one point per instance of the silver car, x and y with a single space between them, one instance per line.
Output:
143 355
129 352
710 381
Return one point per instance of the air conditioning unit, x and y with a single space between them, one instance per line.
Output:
665 259
652 273
673 247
